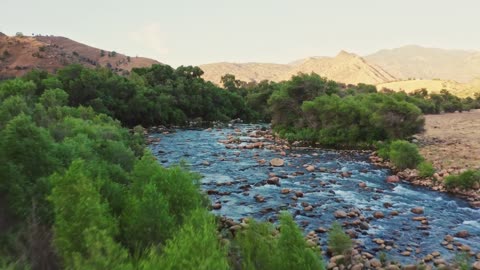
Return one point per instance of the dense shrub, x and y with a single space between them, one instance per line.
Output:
466 180
402 154
195 246
256 246
261 248
425 169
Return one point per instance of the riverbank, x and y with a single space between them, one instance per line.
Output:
411 176
451 142
249 172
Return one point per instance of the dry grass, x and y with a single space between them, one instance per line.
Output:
434 86
452 140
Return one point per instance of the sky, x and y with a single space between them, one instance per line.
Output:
193 32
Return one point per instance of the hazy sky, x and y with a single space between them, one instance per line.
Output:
203 31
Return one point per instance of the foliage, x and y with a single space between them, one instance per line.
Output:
158 201
404 155
256 245
195 246
466 180
259 247
84 229
338 241
312 109
293 251
425 169
84 179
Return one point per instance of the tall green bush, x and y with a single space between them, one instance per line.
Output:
261 248
195 246
404 155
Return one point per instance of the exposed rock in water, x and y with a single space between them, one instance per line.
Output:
393 179
340 214
417 210
277 162
462 234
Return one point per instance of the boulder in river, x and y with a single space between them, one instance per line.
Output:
393 179
462 234
340 214
277 162
310 168
378 214
417 210
273 181
299 194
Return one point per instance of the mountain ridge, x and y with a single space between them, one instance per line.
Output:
345 67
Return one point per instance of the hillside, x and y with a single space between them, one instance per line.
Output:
428 63
345 67
19 54
435 86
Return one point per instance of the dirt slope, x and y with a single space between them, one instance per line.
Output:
418 62
18 55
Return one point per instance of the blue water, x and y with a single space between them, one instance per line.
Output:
230 170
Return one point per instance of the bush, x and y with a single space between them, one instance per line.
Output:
195 246
383 150
404 155
338 241
259 247
425 169
255 244
293 249
466 180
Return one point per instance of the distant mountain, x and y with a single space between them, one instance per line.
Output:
19 54
345 67
428 63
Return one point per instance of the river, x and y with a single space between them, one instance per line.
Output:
239 178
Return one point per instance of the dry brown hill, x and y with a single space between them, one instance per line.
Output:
434 86
19 54
345 67
246 72
418 62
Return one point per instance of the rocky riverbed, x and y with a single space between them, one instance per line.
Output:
247 174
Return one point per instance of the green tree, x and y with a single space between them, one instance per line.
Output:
195 246
84 229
